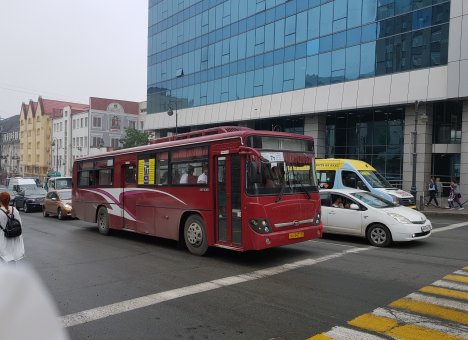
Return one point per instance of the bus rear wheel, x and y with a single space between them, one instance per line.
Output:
195 235
103 221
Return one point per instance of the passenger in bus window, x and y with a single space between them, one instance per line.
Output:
203 178
163 179
188 177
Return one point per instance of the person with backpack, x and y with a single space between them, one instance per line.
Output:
432 192
11 240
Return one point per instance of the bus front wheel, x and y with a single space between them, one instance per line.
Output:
103 221
195 235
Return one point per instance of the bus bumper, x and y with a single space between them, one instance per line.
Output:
282 238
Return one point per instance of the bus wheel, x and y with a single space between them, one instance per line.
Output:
103 221
379 235
195 235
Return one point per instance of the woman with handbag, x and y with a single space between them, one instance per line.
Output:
456 194
11 248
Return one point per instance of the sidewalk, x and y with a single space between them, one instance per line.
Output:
434 210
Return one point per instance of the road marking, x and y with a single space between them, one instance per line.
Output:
343 333
417 315
445 292
153 299
451 285
391 327
461 272
422 321
450 227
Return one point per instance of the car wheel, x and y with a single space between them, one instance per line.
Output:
195 235
378 235
44 212
59 214
25 208
103 221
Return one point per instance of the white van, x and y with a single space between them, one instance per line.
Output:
57 183
350 173
18 184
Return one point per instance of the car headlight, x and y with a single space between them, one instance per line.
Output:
400 218
67 206
395 200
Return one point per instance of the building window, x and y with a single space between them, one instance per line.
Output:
97 122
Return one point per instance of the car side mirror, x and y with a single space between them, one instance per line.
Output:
54 199
354 206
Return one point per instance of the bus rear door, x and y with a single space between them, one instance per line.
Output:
128 200
228 200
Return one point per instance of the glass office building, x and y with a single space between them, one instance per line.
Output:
346 71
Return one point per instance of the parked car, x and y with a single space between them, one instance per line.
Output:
30 199
58 202
364 214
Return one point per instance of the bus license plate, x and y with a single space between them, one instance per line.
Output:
299 234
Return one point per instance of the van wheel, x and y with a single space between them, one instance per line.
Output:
195 235
103 221
378 235
59 214
44 212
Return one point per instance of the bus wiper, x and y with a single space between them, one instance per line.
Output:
305 190
280 195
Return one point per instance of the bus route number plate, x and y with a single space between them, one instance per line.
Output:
298 234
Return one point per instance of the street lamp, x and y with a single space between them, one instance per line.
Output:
55 144
170 113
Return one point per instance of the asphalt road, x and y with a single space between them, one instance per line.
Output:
129 286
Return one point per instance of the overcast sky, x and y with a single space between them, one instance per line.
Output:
71 50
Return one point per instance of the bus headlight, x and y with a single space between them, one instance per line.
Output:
260 225
317 218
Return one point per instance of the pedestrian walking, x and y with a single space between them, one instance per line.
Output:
432 192
11 248
454 196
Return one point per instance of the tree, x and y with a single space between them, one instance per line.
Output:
133 137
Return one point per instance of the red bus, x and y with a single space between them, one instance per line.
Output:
229 187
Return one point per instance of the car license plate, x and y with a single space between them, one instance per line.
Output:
298 234
425 228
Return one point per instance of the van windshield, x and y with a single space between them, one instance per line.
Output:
63 183
375 179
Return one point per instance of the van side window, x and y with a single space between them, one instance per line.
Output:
326 178
349 179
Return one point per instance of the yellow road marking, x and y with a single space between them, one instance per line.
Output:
458 278
391 327
411 332
445 292
465 268
430 309
373 323
320 337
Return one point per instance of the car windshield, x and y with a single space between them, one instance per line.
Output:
63 183
372 200
37 191
65 195
375 179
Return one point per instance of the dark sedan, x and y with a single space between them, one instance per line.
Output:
30 199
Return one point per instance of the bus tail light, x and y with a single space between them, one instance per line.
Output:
260 225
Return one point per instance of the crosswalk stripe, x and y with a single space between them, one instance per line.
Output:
454 329
458 278
320 336
465 268
445 292
461 272
430 309
343 333
391 327
439 301
451 285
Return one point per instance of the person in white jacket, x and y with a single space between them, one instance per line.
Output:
11 249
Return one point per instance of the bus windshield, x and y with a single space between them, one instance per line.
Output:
286 166
375 179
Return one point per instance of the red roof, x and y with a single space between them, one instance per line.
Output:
54 108
103 103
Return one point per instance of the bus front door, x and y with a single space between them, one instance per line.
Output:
127 201
228 200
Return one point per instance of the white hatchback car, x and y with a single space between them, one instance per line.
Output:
364 214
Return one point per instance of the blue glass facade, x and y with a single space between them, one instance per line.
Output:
209 51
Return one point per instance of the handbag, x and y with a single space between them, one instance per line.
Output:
459 195
12 227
